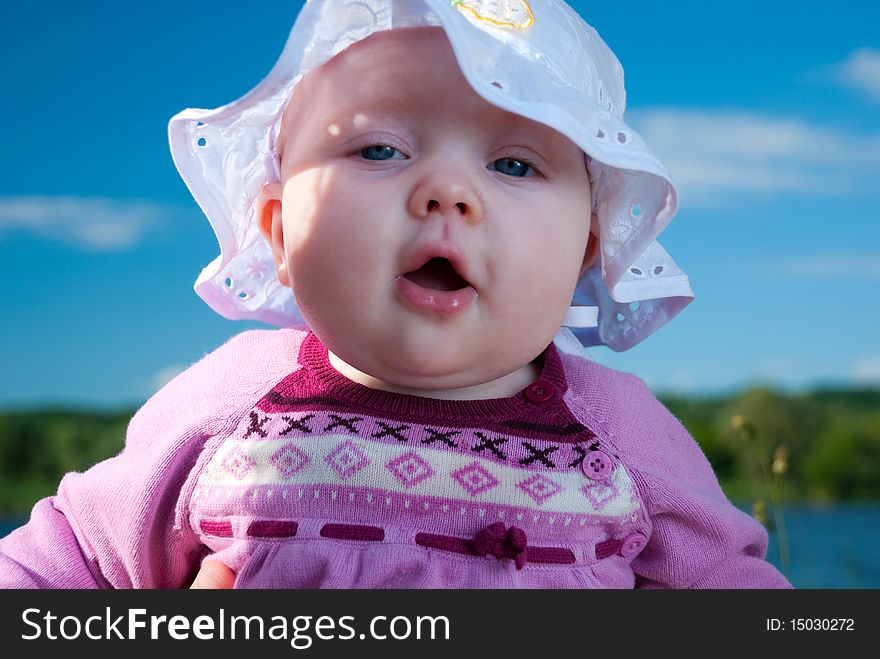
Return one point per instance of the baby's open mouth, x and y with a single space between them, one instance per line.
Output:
437 274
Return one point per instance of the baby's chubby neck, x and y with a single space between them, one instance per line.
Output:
502 387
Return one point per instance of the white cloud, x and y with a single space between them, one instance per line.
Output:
865 265
719 156
93 223
860 71
866 370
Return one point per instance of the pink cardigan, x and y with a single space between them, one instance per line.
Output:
263 456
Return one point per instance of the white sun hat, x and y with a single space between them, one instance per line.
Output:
536 58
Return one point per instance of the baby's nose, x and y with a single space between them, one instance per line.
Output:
449 194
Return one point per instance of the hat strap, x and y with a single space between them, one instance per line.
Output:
581 317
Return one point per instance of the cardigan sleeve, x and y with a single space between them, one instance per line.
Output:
699 539
111 527
124 522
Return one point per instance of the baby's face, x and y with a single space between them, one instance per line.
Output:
432 240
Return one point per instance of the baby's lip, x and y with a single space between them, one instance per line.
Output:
444 251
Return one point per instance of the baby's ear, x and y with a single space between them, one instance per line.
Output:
268 209
592 251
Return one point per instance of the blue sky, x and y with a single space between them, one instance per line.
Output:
767 114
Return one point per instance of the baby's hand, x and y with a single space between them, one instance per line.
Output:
213 576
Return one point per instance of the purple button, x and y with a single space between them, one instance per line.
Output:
540 391
597 465
632 545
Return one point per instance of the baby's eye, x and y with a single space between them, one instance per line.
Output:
381 152
511 167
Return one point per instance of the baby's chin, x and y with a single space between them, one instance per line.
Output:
453 361
435 375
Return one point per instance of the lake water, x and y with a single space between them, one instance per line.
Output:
831 547
837 546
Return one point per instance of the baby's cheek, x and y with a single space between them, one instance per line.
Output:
545 288
329 276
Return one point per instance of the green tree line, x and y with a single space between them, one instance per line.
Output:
826 443
819 445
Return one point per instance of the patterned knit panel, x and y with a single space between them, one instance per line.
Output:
306 451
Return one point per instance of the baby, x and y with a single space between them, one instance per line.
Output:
436 183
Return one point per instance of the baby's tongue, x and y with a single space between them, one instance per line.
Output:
437 274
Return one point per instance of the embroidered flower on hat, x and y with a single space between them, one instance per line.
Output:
502 13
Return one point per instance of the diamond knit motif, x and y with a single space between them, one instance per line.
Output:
600 493
288 460
539 487
346 459
238 463
475 478
410 469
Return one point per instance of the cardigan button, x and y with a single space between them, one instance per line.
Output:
540 391
632 545
597 465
